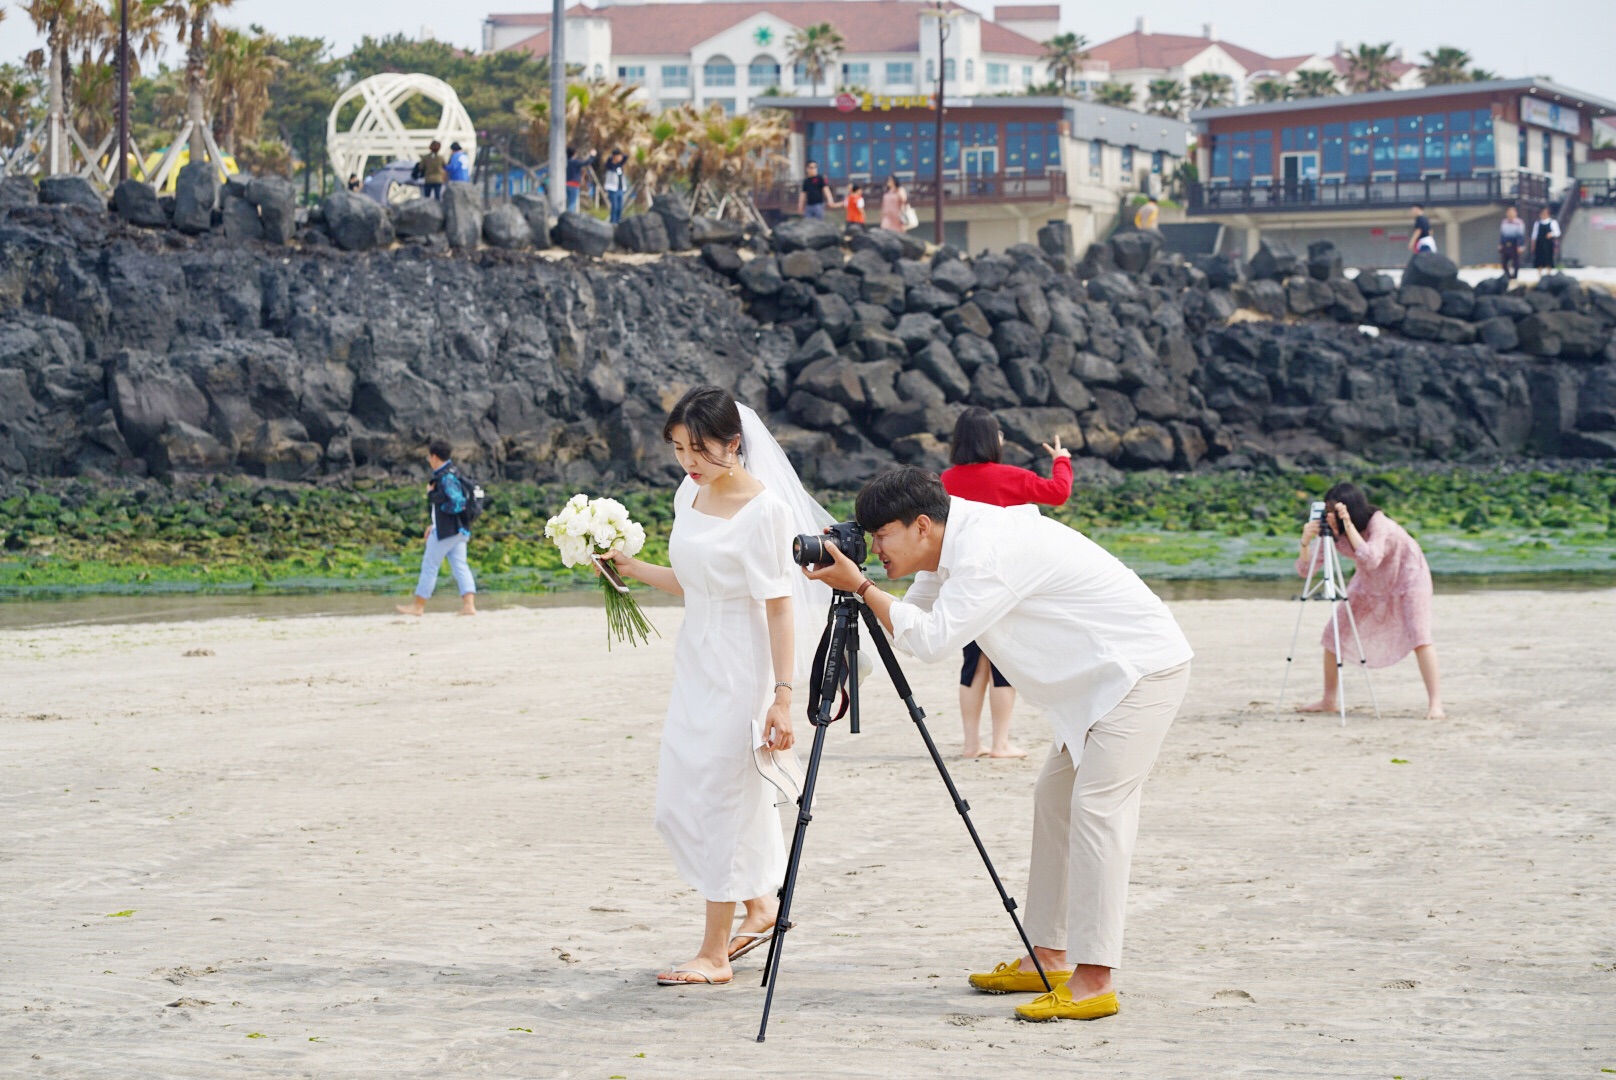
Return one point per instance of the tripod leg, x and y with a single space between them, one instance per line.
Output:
918 715
1338 594
1363 661
1301 607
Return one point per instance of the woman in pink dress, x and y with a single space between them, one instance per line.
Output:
894 201
1390 594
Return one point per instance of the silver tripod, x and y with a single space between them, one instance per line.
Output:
1326 582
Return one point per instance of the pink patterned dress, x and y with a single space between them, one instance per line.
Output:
1390 595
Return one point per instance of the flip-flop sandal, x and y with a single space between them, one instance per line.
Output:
705 980
754 940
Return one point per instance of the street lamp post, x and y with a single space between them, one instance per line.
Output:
558 108
943 17
123 90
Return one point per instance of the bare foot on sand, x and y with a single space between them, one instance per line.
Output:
1323 705
1008 752
974 751
1436 712
410 609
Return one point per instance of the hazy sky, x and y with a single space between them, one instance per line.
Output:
1572 41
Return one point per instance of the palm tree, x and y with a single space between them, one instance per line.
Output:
816 49
1369 68
1267 90
600 115
65 24
241 69
1064 54
1165 97
191 20
734 153
1209 90
1119 95
1316 83
1446 66
19 95
1481 74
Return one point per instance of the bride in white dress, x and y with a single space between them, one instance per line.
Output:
751 620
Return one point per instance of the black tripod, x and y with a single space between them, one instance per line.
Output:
836 670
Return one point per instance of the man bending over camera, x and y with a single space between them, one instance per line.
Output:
1080 635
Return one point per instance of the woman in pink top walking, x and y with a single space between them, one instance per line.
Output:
894 202
1390 594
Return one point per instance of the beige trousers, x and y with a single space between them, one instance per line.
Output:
1085 820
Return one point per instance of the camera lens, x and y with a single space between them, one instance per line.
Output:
809 550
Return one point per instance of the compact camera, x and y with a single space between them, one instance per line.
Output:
809 548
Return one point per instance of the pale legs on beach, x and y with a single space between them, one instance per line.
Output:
1424 655
1001 704
713 959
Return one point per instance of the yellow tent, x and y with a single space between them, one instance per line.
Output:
154 160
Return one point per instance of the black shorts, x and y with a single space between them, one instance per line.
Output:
973 657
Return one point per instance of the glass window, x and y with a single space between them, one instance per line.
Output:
1437 122
1026 74
1571 156
1035 149
1434 143
1408 125
1127 163
1408 157
926 157
1481 148
858 131
856 74
900 74
858 158
1459 153
903 156
727 104
1096 150
1220 156
718 72
1240 159
799 74
763 72
1307 138
1357 159
1287 140
998 74
1548 152
1384 126
1385 154
1358 129
1262 157
1520 141
1459 121
675 75
631 74
1015 147
1333 149
948 69
970 69
931 71
1158 158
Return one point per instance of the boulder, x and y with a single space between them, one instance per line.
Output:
241 219
914 386
1420 296
802 264
1034 308
936 361
972 351
1386 311
997 305
1028 378
1095 370
1498 333
280 449
276 200
1113 288
875 342
353 221
506 227
705 230
1274 261
17 191
71 191
1562 333
914 272
928 298
817 346
182 447
879 382
832 314
646 234
1222 271
967 319
883 245
1016 338
463 216
1132 251
1306 295
1148 445
1056 239
917 330
991 390
1068 390
418 218
1033 427
885 290
1324 261
535 207
196 193
816 412
674 211
833 379
1458 303
761 276
1372 284
796 234
1497 286
954 276
136 202
1431 270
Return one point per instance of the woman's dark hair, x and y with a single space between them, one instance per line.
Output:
976 438
893 182
708 413
440 449
1359 508
900 493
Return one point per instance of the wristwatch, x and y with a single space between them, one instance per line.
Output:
864 588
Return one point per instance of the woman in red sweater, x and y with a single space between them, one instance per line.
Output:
979 475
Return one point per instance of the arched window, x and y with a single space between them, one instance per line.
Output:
970 70
948 70
931 71
763 71
600 71
718 71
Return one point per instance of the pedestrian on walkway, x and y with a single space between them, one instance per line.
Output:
1421 240
447 534
459 167
575 175
896 213
434 171
1148 214
1511 239
615 183
855 204
1545 240
815 194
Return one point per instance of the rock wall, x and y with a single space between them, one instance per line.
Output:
150 350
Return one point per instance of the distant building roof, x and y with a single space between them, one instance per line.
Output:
1027 11
868 26
1599 107
1162 51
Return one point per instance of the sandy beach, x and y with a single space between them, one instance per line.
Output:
369 846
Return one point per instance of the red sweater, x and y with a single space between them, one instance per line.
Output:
1006 485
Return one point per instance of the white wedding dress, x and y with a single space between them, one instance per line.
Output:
714 808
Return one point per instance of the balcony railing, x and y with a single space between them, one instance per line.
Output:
1597 192
1282 196
957 191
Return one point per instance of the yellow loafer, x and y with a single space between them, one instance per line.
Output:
1010 979
1058 1005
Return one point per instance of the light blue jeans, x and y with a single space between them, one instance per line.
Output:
453 549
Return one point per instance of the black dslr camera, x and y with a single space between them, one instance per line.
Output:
809 548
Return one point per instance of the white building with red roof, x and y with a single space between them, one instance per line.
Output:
737 51
1141 57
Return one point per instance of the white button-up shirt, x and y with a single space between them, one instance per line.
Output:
1070 626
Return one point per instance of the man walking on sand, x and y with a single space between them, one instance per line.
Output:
1078 634
447 534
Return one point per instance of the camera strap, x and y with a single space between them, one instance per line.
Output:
817 679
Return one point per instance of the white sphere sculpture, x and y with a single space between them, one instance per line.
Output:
377 132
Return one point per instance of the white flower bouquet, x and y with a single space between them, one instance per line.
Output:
588 527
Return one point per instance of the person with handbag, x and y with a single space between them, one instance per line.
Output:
896 213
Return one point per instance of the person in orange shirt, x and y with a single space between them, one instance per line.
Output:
855 204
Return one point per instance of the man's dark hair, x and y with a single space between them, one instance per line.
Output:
976 438
1151 198
1420 207
440 449
815 164
901 493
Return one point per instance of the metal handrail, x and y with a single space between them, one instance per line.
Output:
1212 197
